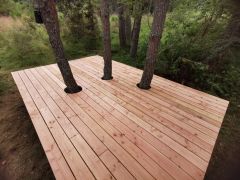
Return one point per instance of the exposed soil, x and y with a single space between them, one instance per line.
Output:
22 156
225 161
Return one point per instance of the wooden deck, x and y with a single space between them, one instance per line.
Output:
113 130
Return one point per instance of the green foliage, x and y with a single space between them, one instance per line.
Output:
82 22
191 31
186 70
25 45
11 8
198 75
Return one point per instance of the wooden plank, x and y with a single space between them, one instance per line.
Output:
157 133
194 92
132 165
125 104
180 162
82 128
161 113
77 166
174 101
91 138
171 142
56 160
162 104
184 91
167 91
112 129
139 155
114 165
122 94
89 157
116 92
180 94
163 161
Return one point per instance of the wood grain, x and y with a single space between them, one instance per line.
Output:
113 130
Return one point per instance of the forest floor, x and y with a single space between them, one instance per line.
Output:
21 153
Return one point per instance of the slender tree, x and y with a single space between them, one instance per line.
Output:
50 20
138 12
122 25
106 40
160 11
128 26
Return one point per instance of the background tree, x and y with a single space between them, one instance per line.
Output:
50 20
137 13
106 40
122 25
160 11
128 25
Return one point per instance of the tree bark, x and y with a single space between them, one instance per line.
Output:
128 26
160 11
136 29
122 26
50 20
106 40
135 36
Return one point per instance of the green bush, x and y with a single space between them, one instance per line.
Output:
24 46
11 8
81 23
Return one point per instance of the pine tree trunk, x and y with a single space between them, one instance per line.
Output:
128 27
135 36
50 20
106 40
138 11
160 11
122 26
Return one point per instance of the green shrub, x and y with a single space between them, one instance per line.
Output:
11 8
24 46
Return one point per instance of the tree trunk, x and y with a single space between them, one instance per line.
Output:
160 11
135 36
136 29
128 27
122 26
50 20
106 40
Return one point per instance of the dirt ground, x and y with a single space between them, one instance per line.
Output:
21 154
22 157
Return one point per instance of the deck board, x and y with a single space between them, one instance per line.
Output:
113 130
